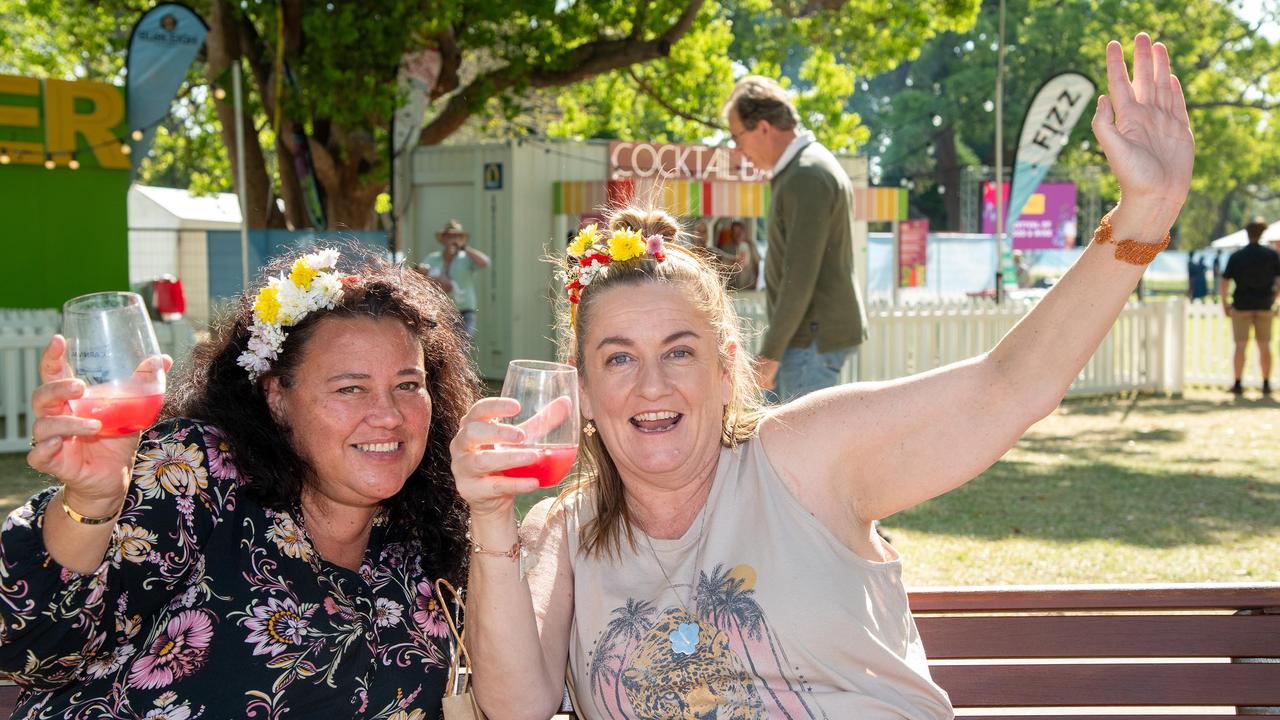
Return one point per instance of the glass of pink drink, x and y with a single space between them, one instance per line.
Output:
109 339
548 397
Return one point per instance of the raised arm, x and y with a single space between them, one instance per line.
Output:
879 448
517 628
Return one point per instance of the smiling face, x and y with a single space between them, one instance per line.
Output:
653 382
357 407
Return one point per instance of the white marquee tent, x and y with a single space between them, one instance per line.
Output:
1240 238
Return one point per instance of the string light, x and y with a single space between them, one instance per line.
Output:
137 135
219 94
125 149
74 164
4 156
48 161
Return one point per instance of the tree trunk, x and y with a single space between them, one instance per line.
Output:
290 186
345 162
944 148
223 47
1224 212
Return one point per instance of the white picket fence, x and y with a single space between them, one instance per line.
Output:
23 335
1160 347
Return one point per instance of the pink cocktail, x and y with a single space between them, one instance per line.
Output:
120 413
552 465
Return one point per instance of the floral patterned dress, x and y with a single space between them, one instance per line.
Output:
208 605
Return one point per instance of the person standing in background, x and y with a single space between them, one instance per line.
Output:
816 317
1254 269
452 269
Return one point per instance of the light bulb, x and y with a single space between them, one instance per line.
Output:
125 149
137 135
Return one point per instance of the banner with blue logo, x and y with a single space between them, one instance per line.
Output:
162 46
1045 130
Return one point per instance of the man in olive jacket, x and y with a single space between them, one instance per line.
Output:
816 317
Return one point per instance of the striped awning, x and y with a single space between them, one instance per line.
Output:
879 204
684 198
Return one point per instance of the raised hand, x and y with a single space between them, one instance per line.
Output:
1143 127
477 463
95 470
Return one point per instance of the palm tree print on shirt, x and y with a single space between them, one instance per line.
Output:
725 603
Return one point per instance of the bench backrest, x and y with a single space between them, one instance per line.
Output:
1096 646
1106 646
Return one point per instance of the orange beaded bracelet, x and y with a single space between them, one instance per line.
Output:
1130 251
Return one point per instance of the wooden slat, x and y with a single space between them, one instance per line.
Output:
1096 597
1110 685
1100 636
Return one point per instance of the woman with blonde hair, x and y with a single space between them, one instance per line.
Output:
714 560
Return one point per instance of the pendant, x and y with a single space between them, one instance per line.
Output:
684 639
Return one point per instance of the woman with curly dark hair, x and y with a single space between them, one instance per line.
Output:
270 546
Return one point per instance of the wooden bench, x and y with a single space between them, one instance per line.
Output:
1095 646
1105 646
1000 651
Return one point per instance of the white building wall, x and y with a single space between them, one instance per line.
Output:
153 239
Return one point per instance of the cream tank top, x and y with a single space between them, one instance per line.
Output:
771 617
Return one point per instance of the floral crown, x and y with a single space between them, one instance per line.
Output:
592 249
310 285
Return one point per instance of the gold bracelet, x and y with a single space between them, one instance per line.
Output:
1129 251
85 519
517 548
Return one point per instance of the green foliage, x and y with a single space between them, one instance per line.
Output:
614 68
1216 54
679 99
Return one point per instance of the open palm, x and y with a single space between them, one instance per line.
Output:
1143 126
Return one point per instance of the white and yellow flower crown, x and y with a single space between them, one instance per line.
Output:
592 249
312 284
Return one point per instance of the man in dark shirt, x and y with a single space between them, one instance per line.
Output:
1254 269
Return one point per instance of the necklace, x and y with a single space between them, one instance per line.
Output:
685 638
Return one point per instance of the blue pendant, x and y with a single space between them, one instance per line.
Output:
684 639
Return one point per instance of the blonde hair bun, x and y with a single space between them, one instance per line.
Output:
646 222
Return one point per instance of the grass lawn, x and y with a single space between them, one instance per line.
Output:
1113 490
1107 490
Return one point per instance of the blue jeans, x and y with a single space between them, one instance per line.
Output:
804 369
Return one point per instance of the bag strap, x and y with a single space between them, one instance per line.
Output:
455 669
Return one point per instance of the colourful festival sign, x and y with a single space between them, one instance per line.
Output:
1046 127
1048 219
913 246
642 160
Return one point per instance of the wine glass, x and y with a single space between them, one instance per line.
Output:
109 343
548 397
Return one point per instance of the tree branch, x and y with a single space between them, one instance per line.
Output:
585 61
656 97
1240 104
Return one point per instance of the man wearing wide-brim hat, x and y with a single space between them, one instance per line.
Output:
453 267
1254 269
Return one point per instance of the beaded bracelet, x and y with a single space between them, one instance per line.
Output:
517 548
1129 251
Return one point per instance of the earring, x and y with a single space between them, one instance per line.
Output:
589 429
